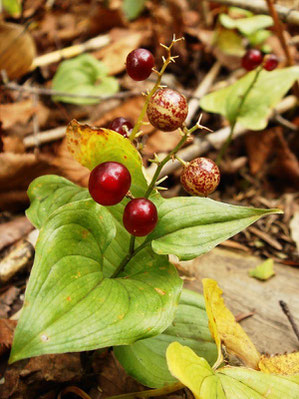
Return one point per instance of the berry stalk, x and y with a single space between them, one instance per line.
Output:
166 62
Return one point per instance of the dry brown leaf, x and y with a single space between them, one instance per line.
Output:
161 142
6 299
287 364
6 334
14 230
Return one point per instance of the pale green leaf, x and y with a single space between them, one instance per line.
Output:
263 271
133 8
266 93
259 37
247 26
229 42
13 7
83 75
145 359
191 226
71 306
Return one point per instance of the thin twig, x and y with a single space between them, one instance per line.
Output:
289 15
150 392
290 317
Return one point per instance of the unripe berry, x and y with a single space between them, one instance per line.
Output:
139 64
109 182
252 59
140 217
118 125
167 110
270 62
200 176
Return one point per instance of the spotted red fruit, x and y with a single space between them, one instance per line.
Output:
167 110
270 62
121 125
252 59
200 176
109 182
139 64
140 217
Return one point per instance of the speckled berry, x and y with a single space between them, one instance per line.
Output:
270 62
200 176
167 110
121 125
140 217
109 182
252 59
139 64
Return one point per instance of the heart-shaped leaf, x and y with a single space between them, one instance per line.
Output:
145 360
92 146
267 91
191 226
227 382
83 75
70 305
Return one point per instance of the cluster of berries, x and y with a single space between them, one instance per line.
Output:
167 110
253 58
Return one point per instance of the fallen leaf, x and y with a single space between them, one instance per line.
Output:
224 327
6 334
263 271
294 227
287 364
7 299
13 230
161 142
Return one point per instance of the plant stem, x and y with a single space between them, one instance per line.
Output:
166 62
238 111
164 161
150 392
129 256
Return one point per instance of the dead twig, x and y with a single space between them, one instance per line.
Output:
290 317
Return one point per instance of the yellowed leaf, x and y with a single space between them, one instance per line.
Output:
224 327
287 364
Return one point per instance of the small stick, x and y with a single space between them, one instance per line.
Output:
290 317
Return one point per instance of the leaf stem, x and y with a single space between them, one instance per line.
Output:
234 122
129 256
166 62
150 392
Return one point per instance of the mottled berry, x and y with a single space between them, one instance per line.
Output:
140 217
167 110
270 62
252 59
109 182
139 64
200 176
120 125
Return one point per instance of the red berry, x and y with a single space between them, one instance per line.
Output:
109 182
252 59
118 125
139 64
200 176
140 217
167 110
270 62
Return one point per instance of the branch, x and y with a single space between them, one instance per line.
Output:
291 16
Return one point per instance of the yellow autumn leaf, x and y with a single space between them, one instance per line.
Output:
224 327
287 364
92 146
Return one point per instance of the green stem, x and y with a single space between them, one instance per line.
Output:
234 122
130 255
150 392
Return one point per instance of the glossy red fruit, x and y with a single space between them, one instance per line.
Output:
200 176
140 217
252 59
270 62
119 124
167 110
109 182
139 64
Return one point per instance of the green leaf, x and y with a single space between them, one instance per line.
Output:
263 271
91 147
259 37
229 42
145 359
191 226
71 306
246 26
227 382
268 90
13 7
48 193
133 8
83 75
